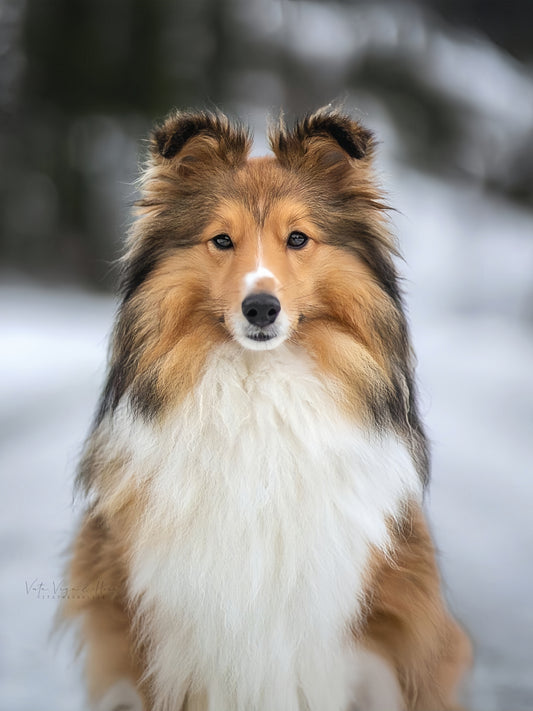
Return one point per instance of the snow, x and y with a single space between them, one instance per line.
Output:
53 350
468 265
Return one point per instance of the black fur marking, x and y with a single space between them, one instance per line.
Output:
115 386
358 237
383 268
352 138
417 439
171 145
170 138
124 364
138 271
142 264
146 399
390 407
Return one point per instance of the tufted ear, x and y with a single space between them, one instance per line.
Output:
327 137
193 136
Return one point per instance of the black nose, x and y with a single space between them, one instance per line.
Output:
261 309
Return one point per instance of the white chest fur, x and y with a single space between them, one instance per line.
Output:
264 505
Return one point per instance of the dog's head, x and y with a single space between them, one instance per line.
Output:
261 245
261 251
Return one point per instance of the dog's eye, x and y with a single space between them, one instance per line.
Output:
297 240
222 242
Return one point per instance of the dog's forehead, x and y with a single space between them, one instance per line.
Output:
261 185
266 175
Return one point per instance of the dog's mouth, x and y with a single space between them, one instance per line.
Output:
260 335
261 338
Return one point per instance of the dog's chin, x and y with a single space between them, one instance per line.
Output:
260 339
264 344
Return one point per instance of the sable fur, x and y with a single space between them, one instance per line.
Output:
408 626
178 200
349 321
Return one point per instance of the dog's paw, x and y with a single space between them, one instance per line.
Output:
122 696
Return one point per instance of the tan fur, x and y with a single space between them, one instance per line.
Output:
188 297
339 293
97 596
409 625
182 330
349 362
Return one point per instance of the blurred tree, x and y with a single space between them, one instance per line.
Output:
96 74
81 81
508 24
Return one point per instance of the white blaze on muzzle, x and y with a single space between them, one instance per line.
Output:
252 328
252 279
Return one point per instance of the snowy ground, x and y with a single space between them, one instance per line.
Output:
469 265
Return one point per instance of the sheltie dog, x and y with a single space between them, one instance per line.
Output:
254 538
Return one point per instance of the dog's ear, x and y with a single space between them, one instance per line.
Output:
189 138
326 139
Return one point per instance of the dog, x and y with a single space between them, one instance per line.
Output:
254 537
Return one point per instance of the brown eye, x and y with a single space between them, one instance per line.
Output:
222 242
297 240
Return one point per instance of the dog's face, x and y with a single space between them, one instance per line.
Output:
289 249
259 267
266 261
260 246
292 247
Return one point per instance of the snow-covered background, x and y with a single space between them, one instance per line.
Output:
469 285
468 271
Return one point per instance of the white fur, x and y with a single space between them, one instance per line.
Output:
251 279
249 561
243 332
